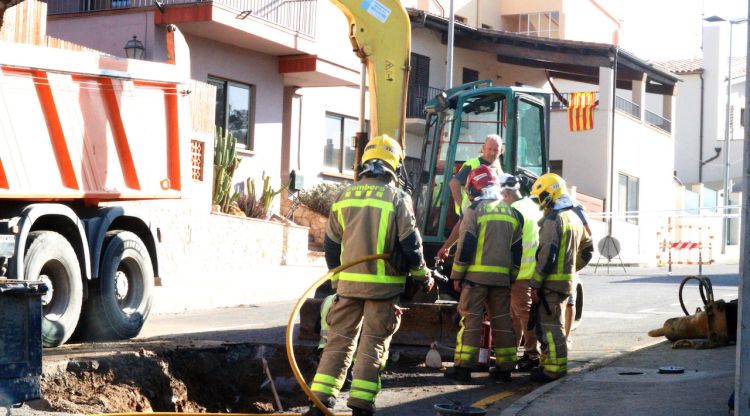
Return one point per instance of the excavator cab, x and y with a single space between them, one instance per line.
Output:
457 123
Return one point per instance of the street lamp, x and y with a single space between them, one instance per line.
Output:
725 168
134 48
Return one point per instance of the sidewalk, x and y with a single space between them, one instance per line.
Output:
631 385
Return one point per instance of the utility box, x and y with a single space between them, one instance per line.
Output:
20 340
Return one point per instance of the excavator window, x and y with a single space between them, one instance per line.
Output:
530 144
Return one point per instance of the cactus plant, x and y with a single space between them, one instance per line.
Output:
225 163
258 206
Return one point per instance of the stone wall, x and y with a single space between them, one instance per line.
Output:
306 217
196 242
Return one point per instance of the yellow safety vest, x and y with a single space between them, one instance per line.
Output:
473 164
531 216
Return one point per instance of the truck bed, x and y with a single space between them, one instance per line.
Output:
83 125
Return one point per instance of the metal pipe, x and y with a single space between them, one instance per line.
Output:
725 163
451 30
612 147
742 376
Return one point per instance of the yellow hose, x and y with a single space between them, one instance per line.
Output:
289 352
290 328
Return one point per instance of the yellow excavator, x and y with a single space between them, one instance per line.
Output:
457 122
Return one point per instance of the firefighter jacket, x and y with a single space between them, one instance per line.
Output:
489 244
371 217
564 248
531 216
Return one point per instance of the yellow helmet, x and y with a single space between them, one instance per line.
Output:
383 148
548 189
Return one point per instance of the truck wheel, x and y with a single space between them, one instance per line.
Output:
51 259
120 300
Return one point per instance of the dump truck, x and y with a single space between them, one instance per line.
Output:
80 133
457 123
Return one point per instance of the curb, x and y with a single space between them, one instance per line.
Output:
521 404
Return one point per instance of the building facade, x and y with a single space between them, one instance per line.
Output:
287 86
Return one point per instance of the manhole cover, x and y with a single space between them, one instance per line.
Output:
631 373
670 369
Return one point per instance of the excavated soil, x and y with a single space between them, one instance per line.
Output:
223 379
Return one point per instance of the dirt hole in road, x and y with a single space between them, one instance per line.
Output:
221 379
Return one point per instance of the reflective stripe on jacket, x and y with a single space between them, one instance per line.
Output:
368 218
531 216
561 237
496 226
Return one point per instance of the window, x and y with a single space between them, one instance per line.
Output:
419 81
338 149
556 167
627 196
742 117
235 109
470 75
529 149
460 19
543 24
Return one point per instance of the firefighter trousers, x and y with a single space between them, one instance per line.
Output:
373 323
474 299
520 305
549 330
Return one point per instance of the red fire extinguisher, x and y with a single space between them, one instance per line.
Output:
485 344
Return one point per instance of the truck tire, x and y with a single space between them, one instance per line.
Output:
120 300
50 258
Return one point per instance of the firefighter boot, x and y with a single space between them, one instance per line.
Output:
526 364
460 374
538 375
500 375
361 412
314 411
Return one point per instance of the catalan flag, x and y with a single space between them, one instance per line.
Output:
581 110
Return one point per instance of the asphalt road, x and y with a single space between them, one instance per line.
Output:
620 308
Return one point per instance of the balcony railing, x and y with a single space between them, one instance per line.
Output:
417 98
658 121
297 15
556 104
628 107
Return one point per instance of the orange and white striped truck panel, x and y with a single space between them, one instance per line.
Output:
82 125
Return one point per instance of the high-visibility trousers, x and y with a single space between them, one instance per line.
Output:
474 299
520 306
549 330
377 322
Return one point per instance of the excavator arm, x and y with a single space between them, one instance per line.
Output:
380 33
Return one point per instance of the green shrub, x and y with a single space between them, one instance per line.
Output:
320 197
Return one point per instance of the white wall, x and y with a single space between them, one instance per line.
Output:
688 130
245 66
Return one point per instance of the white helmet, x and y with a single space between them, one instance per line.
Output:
509 182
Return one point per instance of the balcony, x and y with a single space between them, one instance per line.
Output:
295 15
658 121
418 95
628 107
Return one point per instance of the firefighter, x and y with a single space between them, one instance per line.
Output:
564 248
486 263
520 293
371 216
491 151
